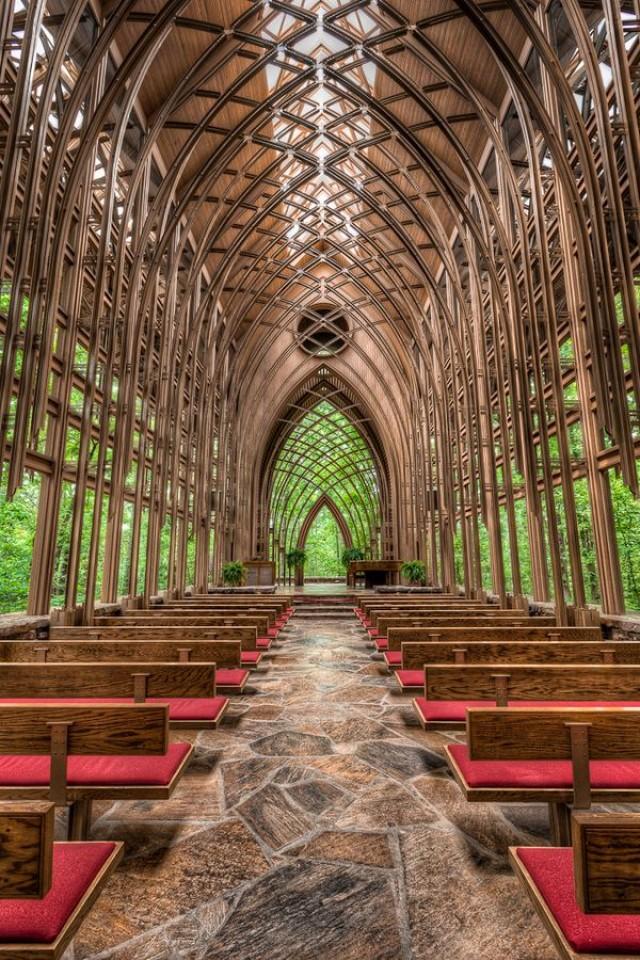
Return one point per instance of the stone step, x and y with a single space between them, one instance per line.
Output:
325 614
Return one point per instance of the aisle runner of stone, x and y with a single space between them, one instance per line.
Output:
318 823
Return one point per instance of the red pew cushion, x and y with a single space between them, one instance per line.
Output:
393 658
410 678
615 774
264 643
180 708
231 678
552 873
193 708
75 867
382 644
96 771
272 632
456 710
250 656
372 632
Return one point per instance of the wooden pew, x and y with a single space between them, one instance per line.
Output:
264 633
180 636
277 615
71 876
282 602
488 632
587 895
219 610
505 618
408 663
451 689
268 606
189 689
72 753
427 610
416 613
225 654
365 603
365 612
558 756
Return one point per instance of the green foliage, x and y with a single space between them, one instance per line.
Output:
413 571
351 554
324 454
626 512
233 573
485 559
296 558
17 531
324 546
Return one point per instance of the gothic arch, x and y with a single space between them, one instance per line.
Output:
324 501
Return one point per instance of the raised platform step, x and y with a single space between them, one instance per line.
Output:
324 613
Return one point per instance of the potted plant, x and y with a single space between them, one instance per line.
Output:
233 573
414 572
295 561
350 554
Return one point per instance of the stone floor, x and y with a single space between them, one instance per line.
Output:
318 823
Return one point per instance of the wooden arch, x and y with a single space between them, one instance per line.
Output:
324 501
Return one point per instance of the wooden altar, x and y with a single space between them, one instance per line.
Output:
260 573
375 573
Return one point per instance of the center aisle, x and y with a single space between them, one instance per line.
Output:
318 823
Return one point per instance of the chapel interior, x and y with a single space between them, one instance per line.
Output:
319 479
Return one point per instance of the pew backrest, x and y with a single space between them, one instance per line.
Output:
224 653
382 613
508 619
259 623
549 682
184 635
100 729
525 733
26 849
95 679
416 655
494 633
606 852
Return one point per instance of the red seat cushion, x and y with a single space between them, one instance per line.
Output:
552 873
272 632
250 656
193 708
231 678
604 774
393 658
456 710
180 708
75 867
410 678
382 644
372 632
263 643
96 771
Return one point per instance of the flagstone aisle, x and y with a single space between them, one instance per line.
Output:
317 824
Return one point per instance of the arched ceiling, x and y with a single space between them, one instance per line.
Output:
317 151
